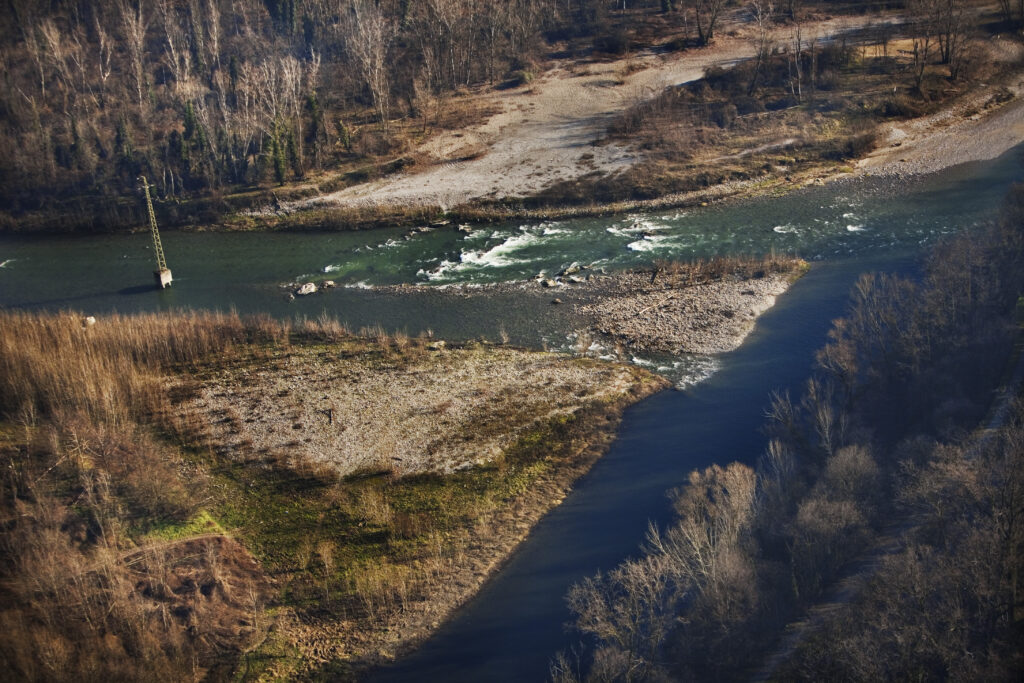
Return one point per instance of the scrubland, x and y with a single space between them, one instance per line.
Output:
148 535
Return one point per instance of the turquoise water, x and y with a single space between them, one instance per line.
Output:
255 272
245 270
515 625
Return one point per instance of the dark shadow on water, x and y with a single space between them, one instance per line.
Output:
516 623
137 289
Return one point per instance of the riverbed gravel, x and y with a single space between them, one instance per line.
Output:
405 413
707 318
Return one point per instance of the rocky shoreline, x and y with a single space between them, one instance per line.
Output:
706 318
673 309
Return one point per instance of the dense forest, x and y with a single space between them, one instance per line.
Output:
215 97
877 459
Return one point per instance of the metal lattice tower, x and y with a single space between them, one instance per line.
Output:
162 273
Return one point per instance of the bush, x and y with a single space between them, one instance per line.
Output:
748 105
781 103
850 146
516 79
614 43
722 114
900 107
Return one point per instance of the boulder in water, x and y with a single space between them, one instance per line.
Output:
306 289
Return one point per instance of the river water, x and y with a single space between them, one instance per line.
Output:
512 628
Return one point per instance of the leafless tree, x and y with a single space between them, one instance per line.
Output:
762 11
706 14
795 63
179 57
714 511
213 32
104 55
369 37
37 51
134 23
56 50
631 611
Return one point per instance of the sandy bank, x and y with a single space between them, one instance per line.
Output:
545 132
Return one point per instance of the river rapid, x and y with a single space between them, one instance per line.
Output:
513 627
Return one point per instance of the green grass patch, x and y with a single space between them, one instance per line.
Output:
287 520
200 523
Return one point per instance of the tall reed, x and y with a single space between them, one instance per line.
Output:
58 363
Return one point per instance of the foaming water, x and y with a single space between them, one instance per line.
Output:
515 624
219 270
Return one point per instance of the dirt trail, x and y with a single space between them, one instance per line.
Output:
545 130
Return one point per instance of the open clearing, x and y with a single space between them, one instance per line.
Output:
545 131
430 411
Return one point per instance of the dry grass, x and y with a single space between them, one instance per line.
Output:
107 481
109 371
86 476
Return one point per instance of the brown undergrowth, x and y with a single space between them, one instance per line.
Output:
138 543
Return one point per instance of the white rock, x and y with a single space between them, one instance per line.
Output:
307 288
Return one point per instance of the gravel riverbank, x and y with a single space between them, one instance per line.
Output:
703 308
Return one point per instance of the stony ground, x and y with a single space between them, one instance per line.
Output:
664 317
421 411
673 314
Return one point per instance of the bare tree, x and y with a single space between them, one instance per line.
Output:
938 27
368 39
56 56
796 64
38 53
179 58
950 21
631 611
134 22
714 510
762 11
706 15
212 14
104 55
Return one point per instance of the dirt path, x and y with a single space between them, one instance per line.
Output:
545 130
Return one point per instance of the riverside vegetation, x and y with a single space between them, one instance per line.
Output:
242 105
879 449
142 542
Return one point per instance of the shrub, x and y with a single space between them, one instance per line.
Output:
517 78
614 43
900 107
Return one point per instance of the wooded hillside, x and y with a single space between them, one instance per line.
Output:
214 97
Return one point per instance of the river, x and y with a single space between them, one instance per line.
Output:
513 627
